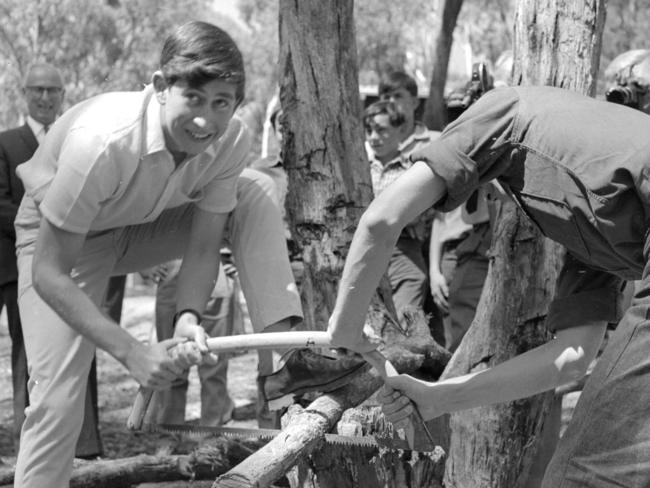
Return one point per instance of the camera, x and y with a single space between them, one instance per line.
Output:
628 95
459 100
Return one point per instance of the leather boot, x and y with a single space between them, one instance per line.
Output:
305 370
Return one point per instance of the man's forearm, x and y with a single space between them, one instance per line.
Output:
365 264
541 369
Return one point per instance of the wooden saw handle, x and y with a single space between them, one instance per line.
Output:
264 340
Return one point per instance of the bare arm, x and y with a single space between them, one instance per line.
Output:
564 359
55 255
437 282
371 248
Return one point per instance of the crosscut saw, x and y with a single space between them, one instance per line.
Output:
281 340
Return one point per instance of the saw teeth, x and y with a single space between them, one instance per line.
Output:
351 443
268 434
242 435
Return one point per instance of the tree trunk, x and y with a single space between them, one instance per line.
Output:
329 177
435 114
493 447
557 42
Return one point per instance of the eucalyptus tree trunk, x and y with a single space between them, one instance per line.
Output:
329 176
557 42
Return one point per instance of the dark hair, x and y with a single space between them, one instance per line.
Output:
199 52
384 107
396 80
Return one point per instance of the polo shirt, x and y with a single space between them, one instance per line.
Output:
104 165
578 167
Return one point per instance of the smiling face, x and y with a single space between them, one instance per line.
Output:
194 117
43 93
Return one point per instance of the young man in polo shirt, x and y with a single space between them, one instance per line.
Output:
122 182
578 168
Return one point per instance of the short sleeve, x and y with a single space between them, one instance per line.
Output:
86 176
583 295
220 193
469 151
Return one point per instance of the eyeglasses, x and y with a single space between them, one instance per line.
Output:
39 91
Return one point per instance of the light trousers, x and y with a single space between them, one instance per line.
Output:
59 358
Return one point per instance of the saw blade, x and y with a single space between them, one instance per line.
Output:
268 434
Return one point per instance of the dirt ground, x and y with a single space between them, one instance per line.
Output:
117 389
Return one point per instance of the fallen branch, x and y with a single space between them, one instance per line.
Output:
204 463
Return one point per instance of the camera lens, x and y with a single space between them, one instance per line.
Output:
622 95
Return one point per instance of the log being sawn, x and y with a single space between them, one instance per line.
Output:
304 432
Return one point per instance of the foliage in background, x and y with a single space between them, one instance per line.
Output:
256 34
393 36
114 44
489 26
99 46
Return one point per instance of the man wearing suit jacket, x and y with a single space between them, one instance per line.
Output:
43 91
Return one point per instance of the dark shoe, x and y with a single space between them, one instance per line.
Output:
304 370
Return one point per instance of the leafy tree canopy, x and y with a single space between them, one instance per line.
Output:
98 46
114 44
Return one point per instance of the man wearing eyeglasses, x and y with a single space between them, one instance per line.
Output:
43 91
